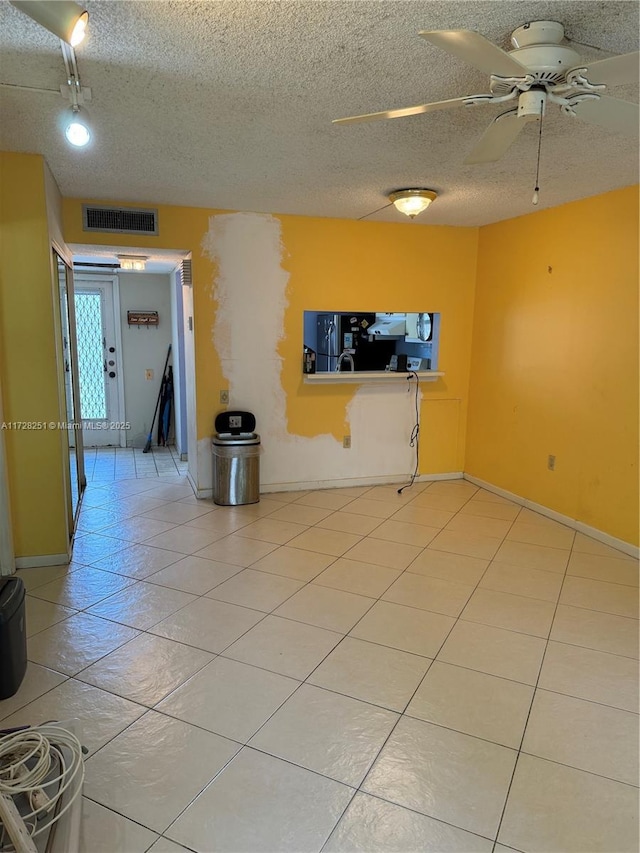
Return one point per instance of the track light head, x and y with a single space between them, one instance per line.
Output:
76 129
63 18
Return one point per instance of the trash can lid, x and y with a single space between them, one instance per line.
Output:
228 439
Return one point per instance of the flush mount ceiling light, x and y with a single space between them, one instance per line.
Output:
411 202
63 18
137 263
76 129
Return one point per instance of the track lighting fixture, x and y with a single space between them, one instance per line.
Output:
411 202
76 128
63 18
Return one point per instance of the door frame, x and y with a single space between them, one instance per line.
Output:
97 279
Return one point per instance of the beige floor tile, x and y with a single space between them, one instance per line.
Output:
330 734
349 522
103 831
325 541
290 496
300 514
494 651
584 735
555 808
456 568
372 673
230 698
324 501
427 516
270 530
219 522
194 574
265 506
93 520
450 776
348 491
324 607
91 547
146 669
40 576
588 674
479 525
286 647
100 716
392 555
237 550
491 509
208 624
258 590
138 528
41 614
261 804
587 545
357 577
164 845
374 508
178 513
486 495
404 532
601 568
389 493
444 503
371 825
79 641
601 631
119 776
183 539
141 605
134 504
138 562
513 612
294 563
427 593
405 628
169 492
531 583
471 545
597 595
538 534
37 681
533 556
82 588
474 703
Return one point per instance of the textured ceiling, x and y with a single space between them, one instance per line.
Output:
229 105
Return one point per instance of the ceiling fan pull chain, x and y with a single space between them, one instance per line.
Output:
536 191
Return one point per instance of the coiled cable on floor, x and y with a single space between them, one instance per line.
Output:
41 764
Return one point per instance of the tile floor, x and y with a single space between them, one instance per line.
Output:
340 670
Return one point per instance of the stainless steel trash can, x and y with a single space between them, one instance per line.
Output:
236 468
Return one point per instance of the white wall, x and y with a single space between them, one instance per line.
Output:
143 348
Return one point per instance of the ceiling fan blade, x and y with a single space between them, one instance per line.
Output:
406 111
476 50
610 113
616 69
497 138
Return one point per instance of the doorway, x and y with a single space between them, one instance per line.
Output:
98 335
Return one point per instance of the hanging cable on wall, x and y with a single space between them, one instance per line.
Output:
414 439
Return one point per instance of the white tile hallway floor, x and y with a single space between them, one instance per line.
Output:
341 670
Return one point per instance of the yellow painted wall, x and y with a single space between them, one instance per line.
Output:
336 265
555 360
28 359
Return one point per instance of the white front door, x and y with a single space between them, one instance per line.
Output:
99 362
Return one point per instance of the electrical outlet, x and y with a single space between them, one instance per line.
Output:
346 441
224 397
148 374
551 463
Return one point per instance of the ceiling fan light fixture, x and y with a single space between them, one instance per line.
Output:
133 263
76 130
411 202
63 18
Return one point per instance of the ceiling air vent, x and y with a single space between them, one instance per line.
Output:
119 220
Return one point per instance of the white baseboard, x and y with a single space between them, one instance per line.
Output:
42 560
593 532
390 479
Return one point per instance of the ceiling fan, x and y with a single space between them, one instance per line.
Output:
540 70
